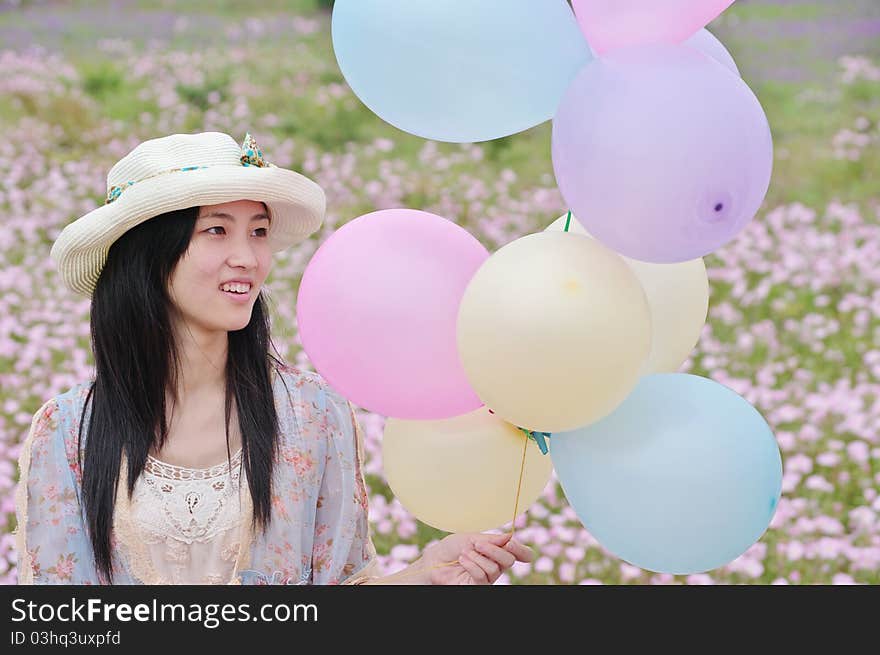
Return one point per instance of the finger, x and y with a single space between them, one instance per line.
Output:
499 539
490 567
478 574
505 559
522 552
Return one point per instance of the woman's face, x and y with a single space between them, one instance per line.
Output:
230 242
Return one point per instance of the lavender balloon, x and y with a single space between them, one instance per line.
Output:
708 44
662 153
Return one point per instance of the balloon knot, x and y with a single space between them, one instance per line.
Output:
539 438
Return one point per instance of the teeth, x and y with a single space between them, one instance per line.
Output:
238 288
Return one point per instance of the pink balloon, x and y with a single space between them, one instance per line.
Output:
377 310
610 25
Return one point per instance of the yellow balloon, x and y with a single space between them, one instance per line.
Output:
553 330
678 296
460 474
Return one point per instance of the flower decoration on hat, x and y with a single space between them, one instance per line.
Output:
115 191
251 155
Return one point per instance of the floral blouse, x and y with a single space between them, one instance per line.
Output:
319 532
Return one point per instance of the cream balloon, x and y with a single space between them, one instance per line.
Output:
678 296
460 474
553 330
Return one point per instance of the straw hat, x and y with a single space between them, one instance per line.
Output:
180 171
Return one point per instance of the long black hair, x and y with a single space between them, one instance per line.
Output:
137 359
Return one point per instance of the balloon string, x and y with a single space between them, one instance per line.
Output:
420 569
568 220
522 467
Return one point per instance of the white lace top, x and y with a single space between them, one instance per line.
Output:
189 519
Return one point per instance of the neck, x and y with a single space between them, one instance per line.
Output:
203 361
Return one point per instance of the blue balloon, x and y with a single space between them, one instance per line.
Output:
459 70
683 477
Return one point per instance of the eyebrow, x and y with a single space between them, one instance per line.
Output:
228 217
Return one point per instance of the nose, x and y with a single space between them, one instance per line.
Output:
242 254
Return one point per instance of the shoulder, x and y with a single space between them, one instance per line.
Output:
318 409
310 386
76 395
62 409
54 430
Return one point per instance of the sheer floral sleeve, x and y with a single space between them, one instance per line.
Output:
343 550
319 532
50 535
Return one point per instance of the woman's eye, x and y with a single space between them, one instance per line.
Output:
265 231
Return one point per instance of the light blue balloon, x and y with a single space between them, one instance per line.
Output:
459 70
683 477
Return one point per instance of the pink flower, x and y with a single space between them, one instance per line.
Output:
544 565
566 572
575 553
629 572
799 463
818 483
794 550
790 482
858 452
521 569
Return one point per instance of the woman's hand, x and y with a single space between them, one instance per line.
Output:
480 558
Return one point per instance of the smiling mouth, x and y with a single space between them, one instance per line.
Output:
240 296
236 287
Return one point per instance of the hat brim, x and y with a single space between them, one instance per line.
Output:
296 205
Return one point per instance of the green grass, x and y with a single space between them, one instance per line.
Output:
236 8
774 12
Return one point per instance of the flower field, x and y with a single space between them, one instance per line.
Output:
794 315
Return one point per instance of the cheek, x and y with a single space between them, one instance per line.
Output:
264 257
205 262
200 271
208 270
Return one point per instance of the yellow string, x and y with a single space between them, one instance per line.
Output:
522 467
417 570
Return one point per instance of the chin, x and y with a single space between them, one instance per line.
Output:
237 323
235 327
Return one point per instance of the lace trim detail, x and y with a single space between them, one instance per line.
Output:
25 561
370 571
174 472
136 552
195 510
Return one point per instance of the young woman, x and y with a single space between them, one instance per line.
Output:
194 455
